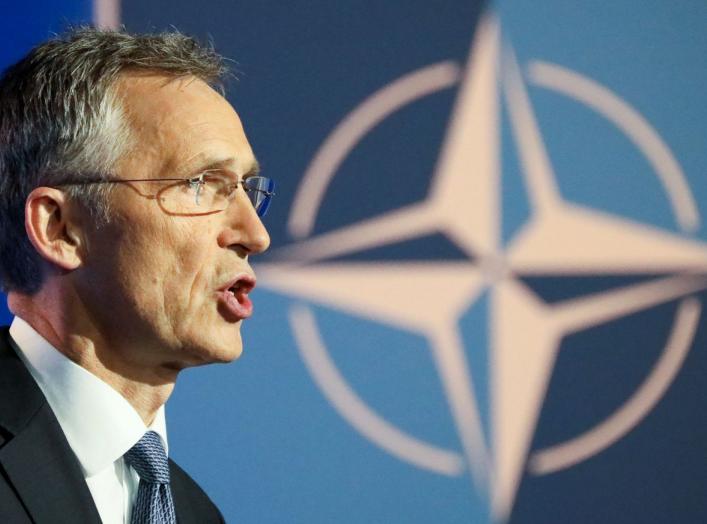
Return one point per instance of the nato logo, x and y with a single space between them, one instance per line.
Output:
464 203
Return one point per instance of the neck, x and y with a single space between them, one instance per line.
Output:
146 386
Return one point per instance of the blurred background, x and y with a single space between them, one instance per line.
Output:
484 297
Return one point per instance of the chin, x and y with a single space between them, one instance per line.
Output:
221 347
229 354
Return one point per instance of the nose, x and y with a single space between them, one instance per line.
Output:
244 230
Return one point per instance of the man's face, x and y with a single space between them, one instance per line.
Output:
157 283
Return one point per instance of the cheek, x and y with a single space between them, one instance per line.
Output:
166 267
189 273
149 266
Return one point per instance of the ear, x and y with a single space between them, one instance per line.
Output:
53 228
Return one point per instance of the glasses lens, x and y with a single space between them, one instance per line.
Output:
260 190
195 196
212 193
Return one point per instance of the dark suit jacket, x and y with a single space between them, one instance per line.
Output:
40 477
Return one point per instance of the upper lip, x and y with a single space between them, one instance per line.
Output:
244 281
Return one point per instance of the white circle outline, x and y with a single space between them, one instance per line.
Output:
443 75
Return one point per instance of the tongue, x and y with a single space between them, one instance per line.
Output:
238 305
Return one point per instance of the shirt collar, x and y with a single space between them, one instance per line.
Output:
99 423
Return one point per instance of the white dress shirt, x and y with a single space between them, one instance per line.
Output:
99 423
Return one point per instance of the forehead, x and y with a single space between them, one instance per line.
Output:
180 125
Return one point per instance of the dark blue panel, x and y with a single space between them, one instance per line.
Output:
24 24
557 288
428 247
5 315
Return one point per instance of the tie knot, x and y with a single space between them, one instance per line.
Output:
149 459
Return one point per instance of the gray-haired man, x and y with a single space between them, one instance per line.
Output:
130 202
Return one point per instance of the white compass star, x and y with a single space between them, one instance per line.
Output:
560 238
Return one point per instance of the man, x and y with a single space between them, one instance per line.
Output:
130 203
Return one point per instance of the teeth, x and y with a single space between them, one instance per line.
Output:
237 287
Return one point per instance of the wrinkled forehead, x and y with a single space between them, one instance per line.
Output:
181 125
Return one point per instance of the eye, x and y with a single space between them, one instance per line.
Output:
220 183
196 183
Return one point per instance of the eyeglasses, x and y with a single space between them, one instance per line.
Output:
209 192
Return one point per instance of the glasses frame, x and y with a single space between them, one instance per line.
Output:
197 179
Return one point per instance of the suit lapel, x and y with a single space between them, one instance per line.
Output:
37 459
184 506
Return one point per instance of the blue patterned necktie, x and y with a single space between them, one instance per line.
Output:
154 504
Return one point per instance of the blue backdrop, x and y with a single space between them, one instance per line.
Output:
484 298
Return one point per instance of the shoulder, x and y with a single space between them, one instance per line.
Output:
20 397
190 498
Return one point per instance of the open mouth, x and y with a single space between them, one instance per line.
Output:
234 303
242 287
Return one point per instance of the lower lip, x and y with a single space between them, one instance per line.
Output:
234 309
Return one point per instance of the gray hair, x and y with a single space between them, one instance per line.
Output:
60 119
